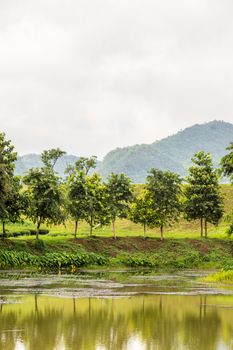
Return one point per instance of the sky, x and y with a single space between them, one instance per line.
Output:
90 76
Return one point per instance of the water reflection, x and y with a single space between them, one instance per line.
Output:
161 322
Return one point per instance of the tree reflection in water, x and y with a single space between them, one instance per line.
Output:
157 322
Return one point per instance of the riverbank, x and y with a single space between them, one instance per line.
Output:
124 251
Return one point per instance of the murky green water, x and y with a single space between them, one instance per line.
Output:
117 310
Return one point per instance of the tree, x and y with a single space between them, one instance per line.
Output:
119 195
141 211
15 204
96 212
164 188
45 197
8 183
82 164
76 197
77 188
203 199
226 163
51 156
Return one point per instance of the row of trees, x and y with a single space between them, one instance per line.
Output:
45 198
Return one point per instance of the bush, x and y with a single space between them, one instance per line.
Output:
23 233
41 232
16 234
215 255
228 265
139 260
230 230
188 259
192 259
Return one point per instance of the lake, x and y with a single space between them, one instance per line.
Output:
130 310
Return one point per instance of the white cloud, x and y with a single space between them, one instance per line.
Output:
88 76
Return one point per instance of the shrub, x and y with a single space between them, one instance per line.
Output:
41 232
230 230
228 265
139 260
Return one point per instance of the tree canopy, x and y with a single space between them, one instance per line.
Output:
164 188
203 198
76 187
44 193
142 211
9 184
119 194
51 156
226 163
96 212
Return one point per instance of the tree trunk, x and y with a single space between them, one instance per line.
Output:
205 228
38 230
3 230
201 227
76 229
144 229
36 303
113 228
161 233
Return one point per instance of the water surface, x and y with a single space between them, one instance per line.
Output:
114 310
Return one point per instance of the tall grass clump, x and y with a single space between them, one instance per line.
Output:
12 259
222 276
50 261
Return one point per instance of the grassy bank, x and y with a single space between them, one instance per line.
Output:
125 251
182 247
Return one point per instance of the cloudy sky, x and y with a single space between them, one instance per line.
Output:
88 76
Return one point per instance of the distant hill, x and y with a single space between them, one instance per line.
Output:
171 153
29 161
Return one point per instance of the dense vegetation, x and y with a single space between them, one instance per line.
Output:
49 261
56 254
44 198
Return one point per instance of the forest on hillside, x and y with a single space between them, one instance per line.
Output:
172 153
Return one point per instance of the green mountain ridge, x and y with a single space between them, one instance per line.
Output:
171 153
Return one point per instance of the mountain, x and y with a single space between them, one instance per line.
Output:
29 161
171 153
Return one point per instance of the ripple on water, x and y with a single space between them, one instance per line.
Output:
109 284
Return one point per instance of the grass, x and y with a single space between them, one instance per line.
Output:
180 230
181 248
222 276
